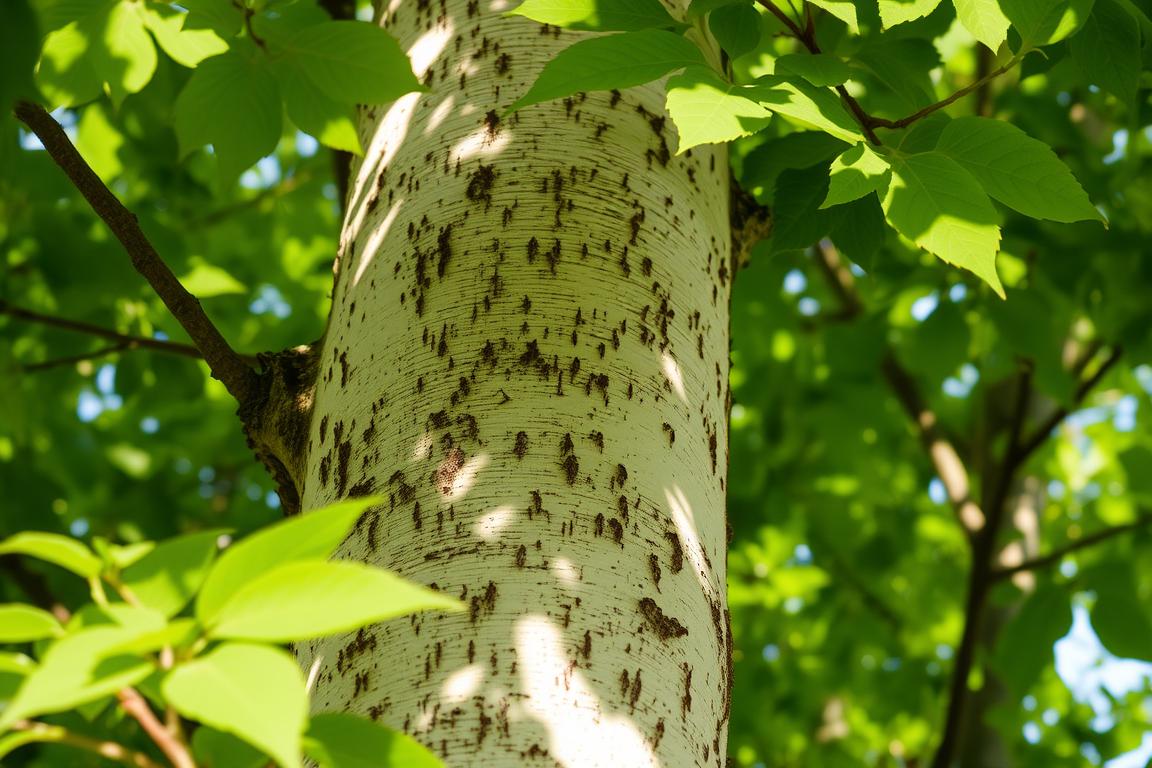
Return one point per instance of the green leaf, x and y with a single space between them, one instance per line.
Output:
707 110
343 740
600 15
311 536
187 47
794 150
1107 50
1025 646
76 669
19 48
255 692
1042 22
736 28
63 551
208 280
845 10
798 221
21 623
215 749
984 19
808 105
220 16
938 205
120 556
232 102
858 230
1016 169
901 66
612 61
166 579
698 8
315 598
350 61
181 633
855 173
821 69
893 12
1119 616
330 122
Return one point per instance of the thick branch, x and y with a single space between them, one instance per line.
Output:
110 750
1055 556
134 705
225 365
124 341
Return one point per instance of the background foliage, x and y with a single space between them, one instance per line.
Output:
849 561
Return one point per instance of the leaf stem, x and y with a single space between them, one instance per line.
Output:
44 732
169 743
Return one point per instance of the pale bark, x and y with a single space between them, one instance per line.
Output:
528 356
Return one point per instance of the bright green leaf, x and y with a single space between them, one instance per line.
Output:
315 598
20 623
77 669
187 47
984 19
938 205
220 16
1042 22
821 69
350 61
809 105
1016 169
166 579
893 12
207 280
601 15
706 109
845 10
63 551
232 102
311 536
255 692
332 123
611 61
736 28
343 740
857 172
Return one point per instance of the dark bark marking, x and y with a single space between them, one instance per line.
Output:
666 626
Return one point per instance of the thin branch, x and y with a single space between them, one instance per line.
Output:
286 186
77 326
945 458
176 751
1044 431
1055 556
225 364
35 731
83 357
904 122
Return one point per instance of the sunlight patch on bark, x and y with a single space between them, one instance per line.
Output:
674 376
489 526
372 247
461 684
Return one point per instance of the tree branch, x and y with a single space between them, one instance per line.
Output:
35 731
123 340
904 122
945 458
1055 556
134 705
224 363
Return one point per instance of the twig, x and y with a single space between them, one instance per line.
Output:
95 330
59 362
134 705
904 122
285 187
225 364
35 731
1055 556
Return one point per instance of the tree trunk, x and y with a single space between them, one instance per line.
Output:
527 355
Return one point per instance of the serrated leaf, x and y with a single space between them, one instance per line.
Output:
77 669
845 10
1016 169
332 124
255 692
893 12
20 623
809 105
1107 50
316 598
736 28
857 172
166 579
599 15
935 203
612 61
706 109
1042 22
63 551
350 61
343 740
984 19
311 536
232 102
821 69
187 47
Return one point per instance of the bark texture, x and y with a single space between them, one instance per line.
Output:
528 356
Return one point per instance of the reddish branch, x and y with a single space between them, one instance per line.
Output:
225 364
